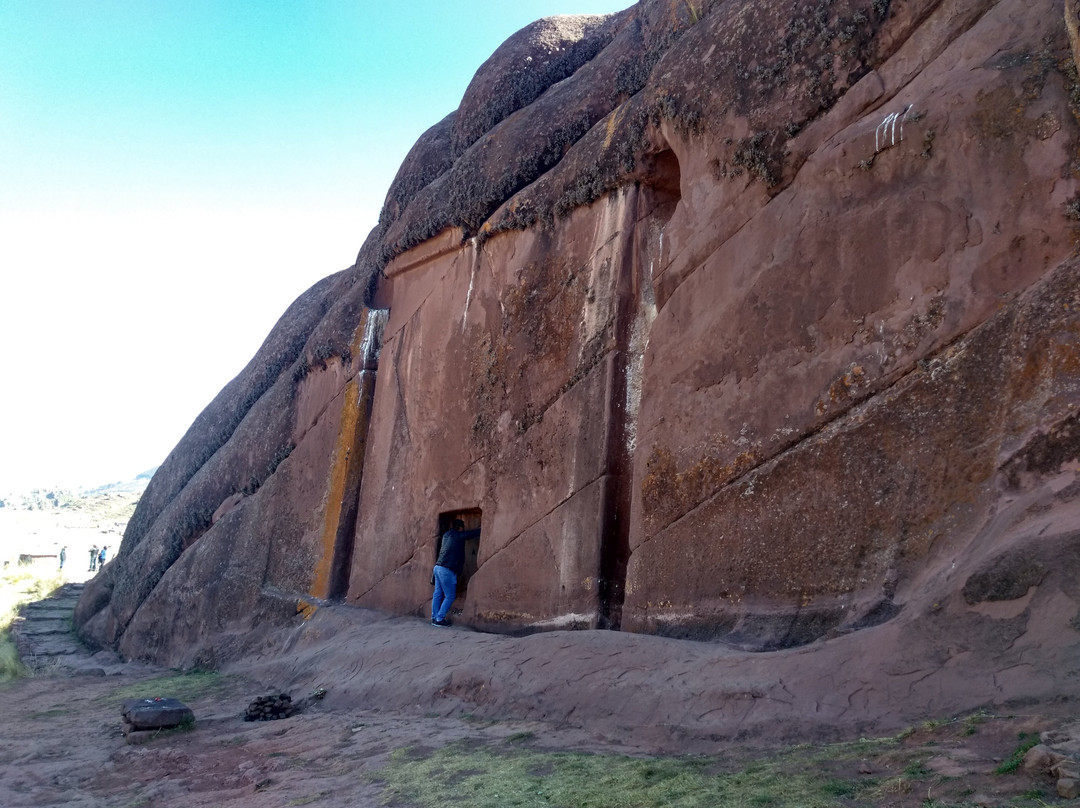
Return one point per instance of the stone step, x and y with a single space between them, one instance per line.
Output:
51 613
43 630
34 630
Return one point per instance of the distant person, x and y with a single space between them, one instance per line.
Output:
101 558
93 557
448 567
63 556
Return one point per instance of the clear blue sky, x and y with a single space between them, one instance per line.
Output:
173 175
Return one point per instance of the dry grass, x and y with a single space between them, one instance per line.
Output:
485 777
894 771
19 586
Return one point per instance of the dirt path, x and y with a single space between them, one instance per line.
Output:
62 744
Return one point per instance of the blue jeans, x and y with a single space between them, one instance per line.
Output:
445 592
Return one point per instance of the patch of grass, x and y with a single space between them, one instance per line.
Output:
1027 740
972 722
195 684
473 718
482 777
19 586
11 666
25 585
917 770
838 787
186 725
53 712
893 786
308 800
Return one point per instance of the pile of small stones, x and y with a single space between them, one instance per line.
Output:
269 708
1042 761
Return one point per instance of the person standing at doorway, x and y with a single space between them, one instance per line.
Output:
448 567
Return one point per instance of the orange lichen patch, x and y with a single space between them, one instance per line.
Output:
1045 362
344 447
1000 114
320 586
1064 356
841 389
609 133
668 493
306 609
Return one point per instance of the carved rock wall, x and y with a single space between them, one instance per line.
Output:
503 387
830 389
740 322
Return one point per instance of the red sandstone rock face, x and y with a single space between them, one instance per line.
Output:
731 321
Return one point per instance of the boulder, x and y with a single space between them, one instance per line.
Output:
155 713
1039 760
1068 788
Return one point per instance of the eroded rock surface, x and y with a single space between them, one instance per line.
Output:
727 321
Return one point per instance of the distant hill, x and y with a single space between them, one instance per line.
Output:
43 499
135 485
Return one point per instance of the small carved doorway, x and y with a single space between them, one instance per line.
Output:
472 518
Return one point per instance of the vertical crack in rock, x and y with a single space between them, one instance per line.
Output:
635 309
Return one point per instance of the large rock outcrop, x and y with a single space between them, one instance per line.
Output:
730 321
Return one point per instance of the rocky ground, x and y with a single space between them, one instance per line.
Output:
405 707
62 745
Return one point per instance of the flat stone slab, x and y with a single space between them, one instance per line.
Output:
157 713
51 608
39 627
51 645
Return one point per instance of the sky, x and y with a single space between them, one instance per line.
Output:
173 175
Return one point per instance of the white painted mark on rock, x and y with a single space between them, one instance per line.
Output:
885 134
472 278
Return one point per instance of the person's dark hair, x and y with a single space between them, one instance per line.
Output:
457 524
